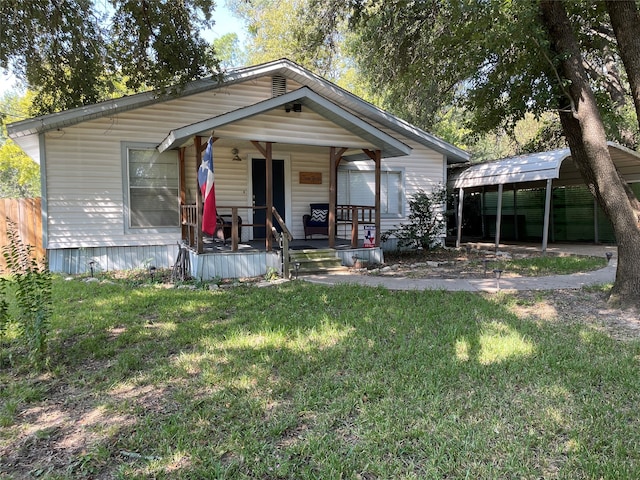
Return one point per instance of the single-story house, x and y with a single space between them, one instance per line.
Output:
535 197
119 178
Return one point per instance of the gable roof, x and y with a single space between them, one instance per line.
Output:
389 146
536 167
283 67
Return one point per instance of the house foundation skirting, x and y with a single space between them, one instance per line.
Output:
77 261
204 267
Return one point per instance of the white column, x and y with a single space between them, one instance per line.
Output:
459 219
499 215
596 232
547 215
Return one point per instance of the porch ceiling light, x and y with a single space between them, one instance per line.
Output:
296 107
236 157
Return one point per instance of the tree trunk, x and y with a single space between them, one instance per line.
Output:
625 21
587 140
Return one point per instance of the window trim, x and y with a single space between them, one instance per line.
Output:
387 170
128 229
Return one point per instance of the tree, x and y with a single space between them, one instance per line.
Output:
229 52
277 30
540 57
70 52
19 174
585 133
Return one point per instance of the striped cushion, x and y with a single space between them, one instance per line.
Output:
319 216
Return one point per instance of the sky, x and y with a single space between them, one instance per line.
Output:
225 23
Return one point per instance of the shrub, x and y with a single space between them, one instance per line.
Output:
426 220
25 296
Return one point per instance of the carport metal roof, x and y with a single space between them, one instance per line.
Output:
539 167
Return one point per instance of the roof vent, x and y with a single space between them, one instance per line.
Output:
278 85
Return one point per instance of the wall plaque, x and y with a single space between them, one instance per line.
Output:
311 178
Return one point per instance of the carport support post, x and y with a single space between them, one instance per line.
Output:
596 232
499 215
547 215
459 219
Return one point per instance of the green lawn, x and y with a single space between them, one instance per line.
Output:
302 381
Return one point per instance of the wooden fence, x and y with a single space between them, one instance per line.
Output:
25 213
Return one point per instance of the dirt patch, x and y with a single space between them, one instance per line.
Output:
452 263
583 307
588 307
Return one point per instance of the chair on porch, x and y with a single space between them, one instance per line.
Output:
318 221
225 225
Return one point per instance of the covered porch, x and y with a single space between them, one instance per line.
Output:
272 161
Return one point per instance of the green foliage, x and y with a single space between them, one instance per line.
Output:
426 221
229 52
282 28
424 59
73 52
19 175
28 286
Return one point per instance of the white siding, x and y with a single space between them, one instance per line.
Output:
85 197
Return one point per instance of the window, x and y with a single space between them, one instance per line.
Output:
152 187
357 187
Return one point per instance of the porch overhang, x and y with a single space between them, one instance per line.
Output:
375 138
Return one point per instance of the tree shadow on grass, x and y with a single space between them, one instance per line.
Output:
304 381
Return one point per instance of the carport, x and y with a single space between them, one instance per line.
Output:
544 171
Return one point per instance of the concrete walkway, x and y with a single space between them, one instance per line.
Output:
553 282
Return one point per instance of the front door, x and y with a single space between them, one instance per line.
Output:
258 175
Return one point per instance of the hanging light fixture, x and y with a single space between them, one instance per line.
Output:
236 157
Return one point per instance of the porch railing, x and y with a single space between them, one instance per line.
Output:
355 215
194 239
283 238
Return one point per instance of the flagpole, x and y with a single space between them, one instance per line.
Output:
199 236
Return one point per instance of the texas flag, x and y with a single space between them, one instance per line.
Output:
205 180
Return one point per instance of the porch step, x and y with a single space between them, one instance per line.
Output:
316 261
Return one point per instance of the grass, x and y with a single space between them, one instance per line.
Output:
301 381
531 264
551 265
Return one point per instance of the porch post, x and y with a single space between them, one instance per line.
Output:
183 192
335 157
459 219
268 161
378 161
269 181
376 156
333 194
499 215
547 215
